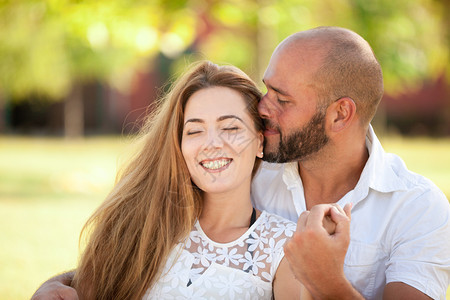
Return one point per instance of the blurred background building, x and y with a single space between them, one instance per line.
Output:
75 68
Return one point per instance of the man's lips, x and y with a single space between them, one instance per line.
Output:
270 131
270 128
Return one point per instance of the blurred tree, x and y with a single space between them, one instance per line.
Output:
408 37
53 47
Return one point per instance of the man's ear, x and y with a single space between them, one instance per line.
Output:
341 113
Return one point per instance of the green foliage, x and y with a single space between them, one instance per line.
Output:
30 54
408 37
48 45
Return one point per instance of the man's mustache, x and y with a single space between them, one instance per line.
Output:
270 124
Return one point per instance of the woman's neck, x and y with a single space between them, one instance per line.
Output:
226 216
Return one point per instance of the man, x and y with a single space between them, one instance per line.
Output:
324 86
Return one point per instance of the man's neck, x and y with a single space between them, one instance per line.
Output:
329 179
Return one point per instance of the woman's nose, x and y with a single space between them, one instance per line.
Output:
214 141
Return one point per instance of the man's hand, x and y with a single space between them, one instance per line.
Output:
329 225
57 288
316 257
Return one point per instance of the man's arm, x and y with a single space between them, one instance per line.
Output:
317 258
402 291
57 288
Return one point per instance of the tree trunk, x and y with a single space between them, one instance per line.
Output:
74 114
265 40
2 113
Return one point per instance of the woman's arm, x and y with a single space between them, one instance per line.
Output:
285 286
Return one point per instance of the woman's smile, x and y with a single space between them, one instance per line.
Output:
216 165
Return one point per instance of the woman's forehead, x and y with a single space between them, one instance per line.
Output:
216 100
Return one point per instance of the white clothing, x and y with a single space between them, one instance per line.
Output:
200 268
400 229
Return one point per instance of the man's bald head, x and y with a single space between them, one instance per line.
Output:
344 66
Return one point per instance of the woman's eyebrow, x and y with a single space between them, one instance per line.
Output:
221 118
194 120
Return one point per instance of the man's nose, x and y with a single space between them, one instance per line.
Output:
265 108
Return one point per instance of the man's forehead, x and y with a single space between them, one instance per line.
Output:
281 88
302 50
278 65
282 73
275 78
291 60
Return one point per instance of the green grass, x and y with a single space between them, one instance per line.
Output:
48 188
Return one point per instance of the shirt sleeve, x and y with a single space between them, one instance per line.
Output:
420 244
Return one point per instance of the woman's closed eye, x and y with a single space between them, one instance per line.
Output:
193 131
232 128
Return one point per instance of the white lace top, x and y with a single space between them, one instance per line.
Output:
243 269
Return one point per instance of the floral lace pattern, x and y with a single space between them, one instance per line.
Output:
243 269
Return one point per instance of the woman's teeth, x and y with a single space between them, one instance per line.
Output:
215 164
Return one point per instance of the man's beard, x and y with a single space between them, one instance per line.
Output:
301 143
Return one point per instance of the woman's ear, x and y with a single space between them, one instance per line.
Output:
260 138
341 113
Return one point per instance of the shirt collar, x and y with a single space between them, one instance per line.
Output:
378 173
291 175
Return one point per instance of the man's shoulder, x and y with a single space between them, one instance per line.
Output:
410 179
397 186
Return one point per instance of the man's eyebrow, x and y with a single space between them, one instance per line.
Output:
278 90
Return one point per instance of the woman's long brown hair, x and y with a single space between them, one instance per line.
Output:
154 204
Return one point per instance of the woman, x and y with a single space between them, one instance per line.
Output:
179 222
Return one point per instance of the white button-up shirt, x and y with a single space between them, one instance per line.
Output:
400 228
